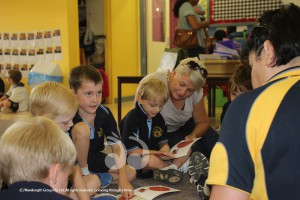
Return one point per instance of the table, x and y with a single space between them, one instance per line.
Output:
125 79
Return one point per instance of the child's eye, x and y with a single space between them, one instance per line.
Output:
99 93
88 94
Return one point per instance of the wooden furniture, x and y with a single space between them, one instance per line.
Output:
219 72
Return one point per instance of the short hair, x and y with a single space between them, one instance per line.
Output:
15 75
197 78
29 147
241 79
281 28
84 73
52 99
153 88
220 34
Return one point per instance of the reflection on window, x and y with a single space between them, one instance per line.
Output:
158 20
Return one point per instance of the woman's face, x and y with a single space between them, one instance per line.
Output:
180 86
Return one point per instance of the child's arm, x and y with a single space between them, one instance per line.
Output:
81 138
165 148
79 185
120 159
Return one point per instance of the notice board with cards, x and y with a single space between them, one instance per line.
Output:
239 11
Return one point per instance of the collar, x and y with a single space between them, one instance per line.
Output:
289 72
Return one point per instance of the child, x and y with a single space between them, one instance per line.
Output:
91 123
144 131
16 99
43 101
36 158
239 83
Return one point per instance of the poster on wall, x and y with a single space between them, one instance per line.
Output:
21 50
233 11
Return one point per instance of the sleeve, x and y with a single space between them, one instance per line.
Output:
197 96
130 132
17 95
164 138
187 10
231 163
110 128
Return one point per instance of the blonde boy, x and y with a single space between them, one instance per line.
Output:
144 133
92 124
58 103
36 155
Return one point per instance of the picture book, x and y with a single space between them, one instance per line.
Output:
179 150
150 192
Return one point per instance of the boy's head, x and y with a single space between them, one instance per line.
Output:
14 75
31 149
240 81
152 95
86 82
220 35
55 101
83 73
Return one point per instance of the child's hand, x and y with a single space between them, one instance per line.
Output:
126 189
190 137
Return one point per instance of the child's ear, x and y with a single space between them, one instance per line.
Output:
53 173
139 98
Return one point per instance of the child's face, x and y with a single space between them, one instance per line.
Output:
89 96
65 122
151 106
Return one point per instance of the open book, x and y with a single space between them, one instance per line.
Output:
150 192
179 150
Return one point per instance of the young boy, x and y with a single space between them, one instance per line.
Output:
92 122
16 99
36 158
43 101
239 83
144 130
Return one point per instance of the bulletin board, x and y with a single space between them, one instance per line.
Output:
238 11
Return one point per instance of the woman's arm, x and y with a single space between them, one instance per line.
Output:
223 193
195 24
201 120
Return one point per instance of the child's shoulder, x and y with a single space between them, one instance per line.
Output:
104 109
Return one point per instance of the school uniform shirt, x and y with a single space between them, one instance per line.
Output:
138 131
19 94
259 144
31 190
104 126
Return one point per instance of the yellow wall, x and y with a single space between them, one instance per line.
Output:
32 15
122 32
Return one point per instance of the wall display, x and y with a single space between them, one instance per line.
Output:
21 50
233 11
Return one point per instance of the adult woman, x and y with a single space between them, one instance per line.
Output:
184 112
188 19
256 156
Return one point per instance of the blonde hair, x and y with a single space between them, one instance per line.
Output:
29 147
153 88
195 75
52 99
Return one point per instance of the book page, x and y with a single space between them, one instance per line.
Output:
181 149
150 192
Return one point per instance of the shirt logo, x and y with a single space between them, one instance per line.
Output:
157 131
100 132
